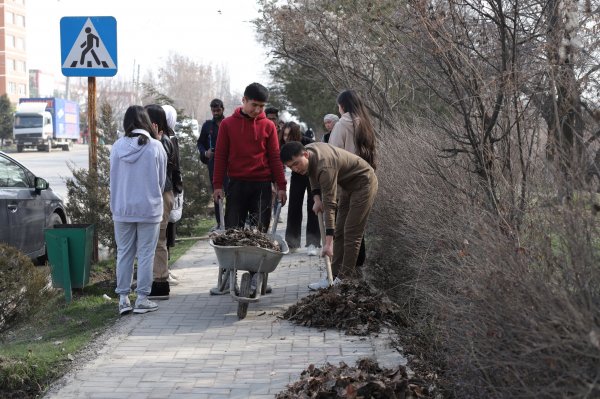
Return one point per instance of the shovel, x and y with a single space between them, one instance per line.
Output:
223 279
327 259
277 212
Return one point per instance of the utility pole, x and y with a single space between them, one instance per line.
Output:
93 149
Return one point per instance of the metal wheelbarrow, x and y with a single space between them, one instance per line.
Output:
256 262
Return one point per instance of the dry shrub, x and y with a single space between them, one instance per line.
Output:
498 312
21 285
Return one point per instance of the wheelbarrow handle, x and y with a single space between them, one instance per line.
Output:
221 213
327 259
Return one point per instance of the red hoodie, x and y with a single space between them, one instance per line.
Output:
248 149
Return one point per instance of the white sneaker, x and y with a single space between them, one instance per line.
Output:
172 280
173 275
311 250
322 284
144 305
124 305
293 250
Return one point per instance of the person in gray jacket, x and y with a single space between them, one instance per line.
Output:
138 165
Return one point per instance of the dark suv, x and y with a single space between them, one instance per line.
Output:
27 207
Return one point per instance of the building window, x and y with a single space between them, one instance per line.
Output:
12 87
20 20
20 43
21 66
22 89
10 64
10 41
9 17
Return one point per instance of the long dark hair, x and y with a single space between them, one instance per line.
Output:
158 115
136 117
295 134
364 134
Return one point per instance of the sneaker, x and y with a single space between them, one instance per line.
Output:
214 228
173 275
293 250
322 284
144 305
160 290
172 281
311 250
124 305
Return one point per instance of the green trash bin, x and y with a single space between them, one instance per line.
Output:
69 248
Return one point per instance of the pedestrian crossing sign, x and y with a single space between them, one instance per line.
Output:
88 46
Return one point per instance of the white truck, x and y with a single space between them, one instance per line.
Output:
46 123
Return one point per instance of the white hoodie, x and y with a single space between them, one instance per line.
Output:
137 179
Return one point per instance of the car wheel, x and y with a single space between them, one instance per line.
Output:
54 220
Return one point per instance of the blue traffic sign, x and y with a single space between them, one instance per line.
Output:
88 46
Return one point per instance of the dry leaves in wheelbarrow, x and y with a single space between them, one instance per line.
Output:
351 306
244 238
366 380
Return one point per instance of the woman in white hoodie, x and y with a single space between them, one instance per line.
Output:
137 177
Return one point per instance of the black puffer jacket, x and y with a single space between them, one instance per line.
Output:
172 164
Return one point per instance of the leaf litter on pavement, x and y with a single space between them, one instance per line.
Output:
354 307
366 380
351 306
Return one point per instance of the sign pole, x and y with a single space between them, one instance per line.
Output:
93 150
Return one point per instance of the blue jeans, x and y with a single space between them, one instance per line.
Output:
135 239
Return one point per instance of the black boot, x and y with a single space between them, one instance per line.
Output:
160 290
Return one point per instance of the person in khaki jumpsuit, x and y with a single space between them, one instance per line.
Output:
327 168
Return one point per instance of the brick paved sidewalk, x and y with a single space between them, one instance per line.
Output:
194 346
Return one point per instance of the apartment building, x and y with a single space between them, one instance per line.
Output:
14 78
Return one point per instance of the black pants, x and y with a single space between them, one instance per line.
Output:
248 200
211 169
298 186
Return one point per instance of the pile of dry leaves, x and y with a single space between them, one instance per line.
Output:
244 238
351 306
366 380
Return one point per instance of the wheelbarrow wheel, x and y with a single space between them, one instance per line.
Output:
244 293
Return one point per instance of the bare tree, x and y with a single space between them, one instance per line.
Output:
192 85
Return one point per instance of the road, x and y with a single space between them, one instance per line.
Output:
52 166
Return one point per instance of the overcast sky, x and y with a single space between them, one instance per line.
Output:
217 32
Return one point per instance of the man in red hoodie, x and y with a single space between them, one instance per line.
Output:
247 151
